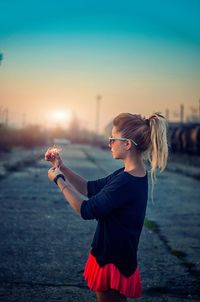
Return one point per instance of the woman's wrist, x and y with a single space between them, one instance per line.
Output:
63 188
62 167
61 184
58 176
70 194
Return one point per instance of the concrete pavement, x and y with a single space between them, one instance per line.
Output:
44 243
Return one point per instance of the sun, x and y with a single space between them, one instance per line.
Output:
61 117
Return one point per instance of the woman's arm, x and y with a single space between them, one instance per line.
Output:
70 195
77 181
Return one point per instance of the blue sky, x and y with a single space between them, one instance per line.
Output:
173 19
138 55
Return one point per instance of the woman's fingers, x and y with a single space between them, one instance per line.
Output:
53 156
50 155
51 173
54 171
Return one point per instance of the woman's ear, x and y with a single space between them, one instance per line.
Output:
128 144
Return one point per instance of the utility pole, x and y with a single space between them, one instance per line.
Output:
23 120
1 115
6 116
182 113
98 99
199 109
167 114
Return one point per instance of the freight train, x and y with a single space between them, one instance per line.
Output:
184 137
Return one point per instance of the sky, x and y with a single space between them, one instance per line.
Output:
58 56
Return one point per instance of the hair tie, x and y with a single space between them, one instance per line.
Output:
147 121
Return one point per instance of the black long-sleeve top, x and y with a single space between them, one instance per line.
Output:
118 202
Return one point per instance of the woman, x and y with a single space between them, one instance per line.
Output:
118 202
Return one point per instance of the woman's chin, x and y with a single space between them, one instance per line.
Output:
115 156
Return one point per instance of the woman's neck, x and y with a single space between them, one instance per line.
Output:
135 164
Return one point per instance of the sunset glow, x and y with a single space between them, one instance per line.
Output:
61 117
139 58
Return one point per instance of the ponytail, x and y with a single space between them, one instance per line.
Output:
158 147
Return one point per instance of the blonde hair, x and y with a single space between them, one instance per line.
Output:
150 134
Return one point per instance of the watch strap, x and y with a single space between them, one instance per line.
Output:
58 176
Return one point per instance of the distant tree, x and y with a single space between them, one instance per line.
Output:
1 57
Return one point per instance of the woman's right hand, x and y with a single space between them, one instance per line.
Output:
52 155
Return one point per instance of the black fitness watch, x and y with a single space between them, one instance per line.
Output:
58 176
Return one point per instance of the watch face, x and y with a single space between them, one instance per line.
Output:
59 176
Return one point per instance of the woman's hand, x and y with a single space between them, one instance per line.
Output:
52 155
53 172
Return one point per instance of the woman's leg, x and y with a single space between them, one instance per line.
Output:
110 295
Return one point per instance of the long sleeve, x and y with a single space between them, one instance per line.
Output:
111 197
95 186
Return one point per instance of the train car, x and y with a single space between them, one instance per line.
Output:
185 137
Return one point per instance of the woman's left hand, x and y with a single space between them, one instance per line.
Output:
53 172
52 155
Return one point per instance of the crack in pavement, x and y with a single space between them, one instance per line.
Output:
153 226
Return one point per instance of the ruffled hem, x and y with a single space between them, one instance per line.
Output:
109 277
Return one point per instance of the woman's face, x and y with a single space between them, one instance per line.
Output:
117 147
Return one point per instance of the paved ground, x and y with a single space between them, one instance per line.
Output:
44 244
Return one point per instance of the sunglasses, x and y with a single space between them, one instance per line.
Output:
112 139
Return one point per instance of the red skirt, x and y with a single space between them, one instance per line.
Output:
109 277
